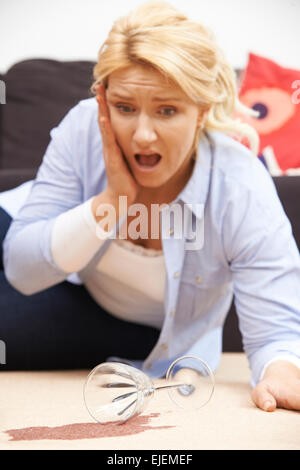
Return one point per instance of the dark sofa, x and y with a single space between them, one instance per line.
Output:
39 93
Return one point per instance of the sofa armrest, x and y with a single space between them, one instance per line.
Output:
10 178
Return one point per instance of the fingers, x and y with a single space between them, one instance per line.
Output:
111 151
119 175
104 119
263 398
101 99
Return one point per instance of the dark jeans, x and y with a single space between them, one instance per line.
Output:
62 327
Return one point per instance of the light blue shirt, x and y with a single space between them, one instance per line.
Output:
248 249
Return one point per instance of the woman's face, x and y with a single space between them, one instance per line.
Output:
154 123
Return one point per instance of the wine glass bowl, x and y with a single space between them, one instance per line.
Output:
114 392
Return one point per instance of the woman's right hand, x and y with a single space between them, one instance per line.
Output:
120 181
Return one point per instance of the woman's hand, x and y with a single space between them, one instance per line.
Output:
279 387
120 181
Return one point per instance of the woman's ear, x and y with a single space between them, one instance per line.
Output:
201 118
200 122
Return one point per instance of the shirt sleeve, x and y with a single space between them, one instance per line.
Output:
27 258
265 265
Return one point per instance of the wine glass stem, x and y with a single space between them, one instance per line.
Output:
160 387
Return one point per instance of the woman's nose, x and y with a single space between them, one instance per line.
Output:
144 133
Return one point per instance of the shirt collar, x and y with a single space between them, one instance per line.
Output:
195 191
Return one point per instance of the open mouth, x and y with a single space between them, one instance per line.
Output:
147 161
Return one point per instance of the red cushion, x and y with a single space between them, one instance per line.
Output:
275 92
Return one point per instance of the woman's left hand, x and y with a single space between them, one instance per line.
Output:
279 387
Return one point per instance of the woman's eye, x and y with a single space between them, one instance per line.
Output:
167 111
124 108
127 109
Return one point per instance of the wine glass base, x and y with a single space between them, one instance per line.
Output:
199 380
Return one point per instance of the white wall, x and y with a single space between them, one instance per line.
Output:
75 29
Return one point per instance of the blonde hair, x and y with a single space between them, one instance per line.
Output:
158 35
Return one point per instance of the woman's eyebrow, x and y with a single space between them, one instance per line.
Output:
157 98
167 98
122 97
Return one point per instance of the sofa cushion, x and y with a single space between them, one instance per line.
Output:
39 93
288 189
272 90
12 177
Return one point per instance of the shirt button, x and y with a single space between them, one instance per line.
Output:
171 231
172 313
164 346
198 280
177 274
149 366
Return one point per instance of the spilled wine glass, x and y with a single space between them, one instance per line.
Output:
115 392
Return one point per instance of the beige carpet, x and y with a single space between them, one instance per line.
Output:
45 410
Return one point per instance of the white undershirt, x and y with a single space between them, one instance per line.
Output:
129 280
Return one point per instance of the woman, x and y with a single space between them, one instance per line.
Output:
118 209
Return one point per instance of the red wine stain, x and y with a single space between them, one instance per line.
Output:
69 432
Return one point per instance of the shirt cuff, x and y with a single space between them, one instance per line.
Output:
292 359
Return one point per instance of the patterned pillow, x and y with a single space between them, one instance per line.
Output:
274 92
